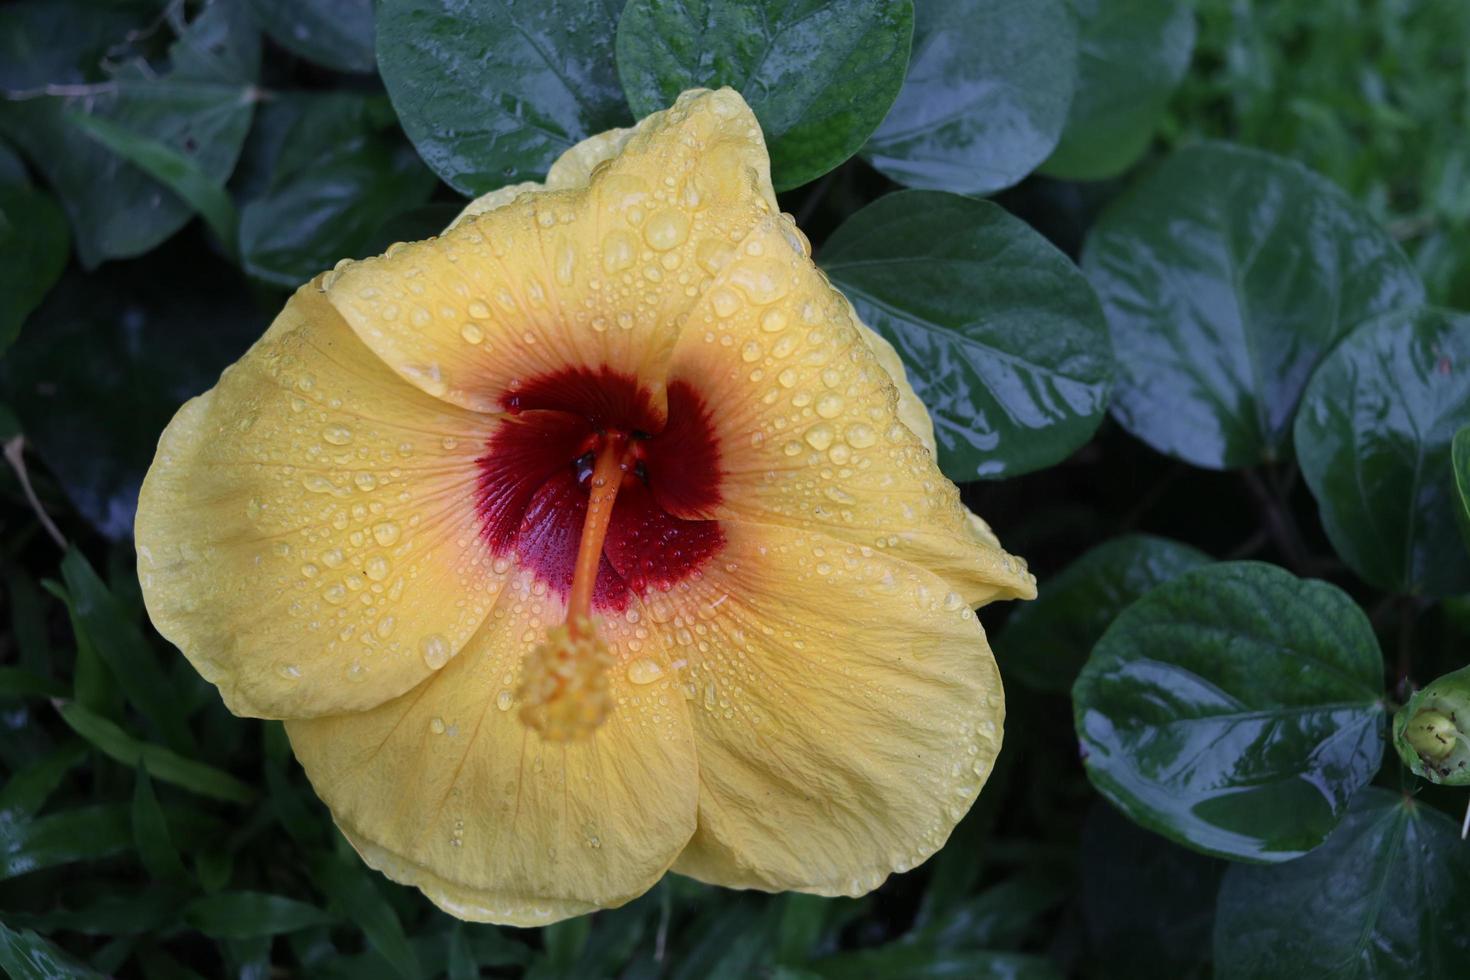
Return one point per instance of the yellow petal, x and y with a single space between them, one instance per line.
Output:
306 533
811 430
596 277
847 711
445 788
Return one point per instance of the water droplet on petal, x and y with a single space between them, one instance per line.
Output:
435 649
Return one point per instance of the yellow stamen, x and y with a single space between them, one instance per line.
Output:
564 688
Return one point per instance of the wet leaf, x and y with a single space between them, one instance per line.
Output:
1235 710
87 833
241 915
1132 54
985 98
335 33
169 766
819 74
1227 275
34 245
1387 896
27 956
491 94
1373 436
1001 335
1046 642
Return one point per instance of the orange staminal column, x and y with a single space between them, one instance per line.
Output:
564 685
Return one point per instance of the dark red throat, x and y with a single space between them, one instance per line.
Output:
534 476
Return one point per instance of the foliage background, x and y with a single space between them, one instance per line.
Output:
169 170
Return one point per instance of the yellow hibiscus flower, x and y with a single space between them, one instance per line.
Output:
752 658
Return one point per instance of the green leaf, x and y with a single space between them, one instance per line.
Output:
34 245
241 915
1387 896
1002 336
335 33
16 682
83 834
1460 471
339 172
1227 275
1046 642
491 94
916 961
199 108
565 940
27 956
151 834
163 763
26 790
172 168
1147 905
353 893
1132 54
819 74
986 95
117 640
1235 710
1373 436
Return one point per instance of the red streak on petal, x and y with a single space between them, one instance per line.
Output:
532 494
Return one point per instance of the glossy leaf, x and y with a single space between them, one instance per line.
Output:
240 915
1132 54
127 335
87 833
335 33
1387 896
199 110
1148 905
34 245
1235 709
27 956
491 94
168 766
1227 275
985 98
1373 436
1001 335
1046 642
338 172
820 74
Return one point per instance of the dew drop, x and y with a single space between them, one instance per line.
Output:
377 568
666 230
337 435
724 302
819 436
644 671
435 650
504 700
471 333
385 533
437 726
860 436
829 406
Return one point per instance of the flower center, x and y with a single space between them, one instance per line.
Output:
602 501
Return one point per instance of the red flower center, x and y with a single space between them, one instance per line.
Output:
538 471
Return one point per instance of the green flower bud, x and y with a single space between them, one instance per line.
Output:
1432 731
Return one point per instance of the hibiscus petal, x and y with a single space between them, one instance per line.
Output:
597 277
306 534
447 790
847 711
810 426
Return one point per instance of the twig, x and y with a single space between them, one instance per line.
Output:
15 455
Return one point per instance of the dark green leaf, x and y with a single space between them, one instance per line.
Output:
27 790
151 834
143 911
18 683
1148 905
1387 896
1373 436
1002 336
63 41
462 963
340 171
491 94
916 961
167 765
335 33
1132 54
129 334
1460 471
113 634
83 834
820 74
1227 275
1046 642
34 245
353 893
1235 709
240 915
27 956
565 940
986 95
172 168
